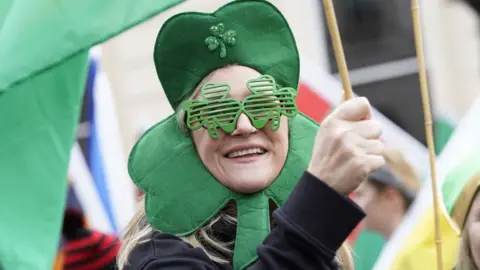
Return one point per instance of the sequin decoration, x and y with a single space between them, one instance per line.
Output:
220 39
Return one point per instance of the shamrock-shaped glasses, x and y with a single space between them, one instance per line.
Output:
217 110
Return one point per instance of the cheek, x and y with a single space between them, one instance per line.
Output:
204 144
279 138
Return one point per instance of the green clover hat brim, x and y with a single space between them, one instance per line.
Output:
181 194
263 41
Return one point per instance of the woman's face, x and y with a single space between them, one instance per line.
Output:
473 229
246 160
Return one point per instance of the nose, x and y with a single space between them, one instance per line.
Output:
244 126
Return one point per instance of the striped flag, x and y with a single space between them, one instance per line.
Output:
443 127
413 243
98 165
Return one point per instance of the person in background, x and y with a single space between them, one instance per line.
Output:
85 248
388 194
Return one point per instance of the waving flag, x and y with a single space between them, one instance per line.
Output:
100 168
413 243
38 125
43 50
459 179
62 29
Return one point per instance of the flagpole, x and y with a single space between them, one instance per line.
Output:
428 123
338 48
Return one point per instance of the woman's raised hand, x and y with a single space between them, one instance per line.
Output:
347 146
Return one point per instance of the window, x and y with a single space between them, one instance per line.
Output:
399 99
378 42
373 32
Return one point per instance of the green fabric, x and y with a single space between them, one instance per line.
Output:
38 124
4 8
217 110
40 34
458 178
168 179
443 129
190 46
366 249
185 50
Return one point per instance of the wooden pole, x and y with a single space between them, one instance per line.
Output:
338 48
428 123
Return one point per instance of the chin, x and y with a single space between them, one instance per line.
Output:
247 175
248 185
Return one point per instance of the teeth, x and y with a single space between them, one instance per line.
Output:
246 152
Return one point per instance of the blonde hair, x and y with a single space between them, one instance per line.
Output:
139 229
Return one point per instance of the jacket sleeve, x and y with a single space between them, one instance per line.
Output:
311 226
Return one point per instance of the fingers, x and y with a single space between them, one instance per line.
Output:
374 162
368 129
362 165
372 147
355 109
355 145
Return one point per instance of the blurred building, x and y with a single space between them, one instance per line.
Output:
379 47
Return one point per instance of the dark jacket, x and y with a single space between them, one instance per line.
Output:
310 227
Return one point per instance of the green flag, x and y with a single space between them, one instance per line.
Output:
43 50
37 120
37 35
366 249
443 129
458 178
4 8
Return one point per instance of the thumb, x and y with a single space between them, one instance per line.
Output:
355 109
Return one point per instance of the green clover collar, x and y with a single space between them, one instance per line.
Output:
181 194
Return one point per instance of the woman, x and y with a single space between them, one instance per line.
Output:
236 149
390 190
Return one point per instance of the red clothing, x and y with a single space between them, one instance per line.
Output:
94 250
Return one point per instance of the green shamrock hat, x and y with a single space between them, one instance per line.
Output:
181 195
251 33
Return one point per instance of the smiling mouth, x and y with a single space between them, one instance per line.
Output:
246 153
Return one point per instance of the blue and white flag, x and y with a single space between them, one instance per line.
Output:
98 167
